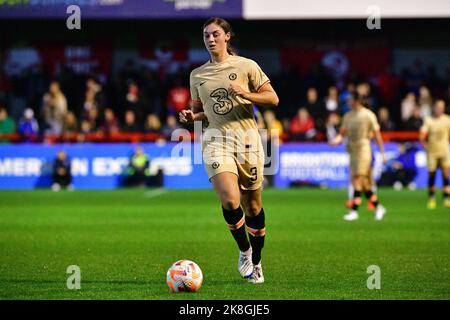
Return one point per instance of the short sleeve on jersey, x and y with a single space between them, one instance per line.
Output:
374 122
256 76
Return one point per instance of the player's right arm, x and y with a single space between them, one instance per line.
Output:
338 139
379 140
376 134
194 113
342 133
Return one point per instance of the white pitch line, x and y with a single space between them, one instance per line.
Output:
155 193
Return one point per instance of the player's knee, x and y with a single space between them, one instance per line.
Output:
252 209
229 202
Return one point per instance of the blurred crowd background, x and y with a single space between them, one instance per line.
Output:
118 82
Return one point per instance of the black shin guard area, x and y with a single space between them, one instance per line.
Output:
256 233
233 219
356 200
431 180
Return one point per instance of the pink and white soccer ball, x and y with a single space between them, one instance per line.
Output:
184 276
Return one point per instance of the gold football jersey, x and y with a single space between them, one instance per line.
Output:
209 85
438 130
359 125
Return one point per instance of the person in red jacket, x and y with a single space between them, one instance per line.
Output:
302 126
178 97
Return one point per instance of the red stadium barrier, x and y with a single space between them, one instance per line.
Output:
89 137
152 137
400 136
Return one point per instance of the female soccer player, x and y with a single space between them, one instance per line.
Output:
434 136
360 125
223 91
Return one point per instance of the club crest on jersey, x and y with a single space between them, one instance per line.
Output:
222 103
215 165
232 76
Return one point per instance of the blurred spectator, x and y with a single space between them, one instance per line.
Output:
315 107
92 122
89 103
7 125
407 106
138 169
170 126
93 88
152 124
134 100
415 121
402 170
344 97
273 125
54 109
178 97
302 126
332 100
130 124
85 127
332 125
62 175
28 126
384 118
70 124
425 101
110 124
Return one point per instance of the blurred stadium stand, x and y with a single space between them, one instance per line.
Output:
117 65
404 56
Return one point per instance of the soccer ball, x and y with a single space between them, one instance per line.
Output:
184 276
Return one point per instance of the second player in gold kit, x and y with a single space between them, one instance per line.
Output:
360 125
434 135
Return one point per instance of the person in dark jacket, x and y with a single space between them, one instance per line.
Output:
62 175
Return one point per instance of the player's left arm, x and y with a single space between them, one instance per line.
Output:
265 96
379 141
339 138
260 91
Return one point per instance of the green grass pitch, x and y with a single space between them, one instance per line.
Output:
125 240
